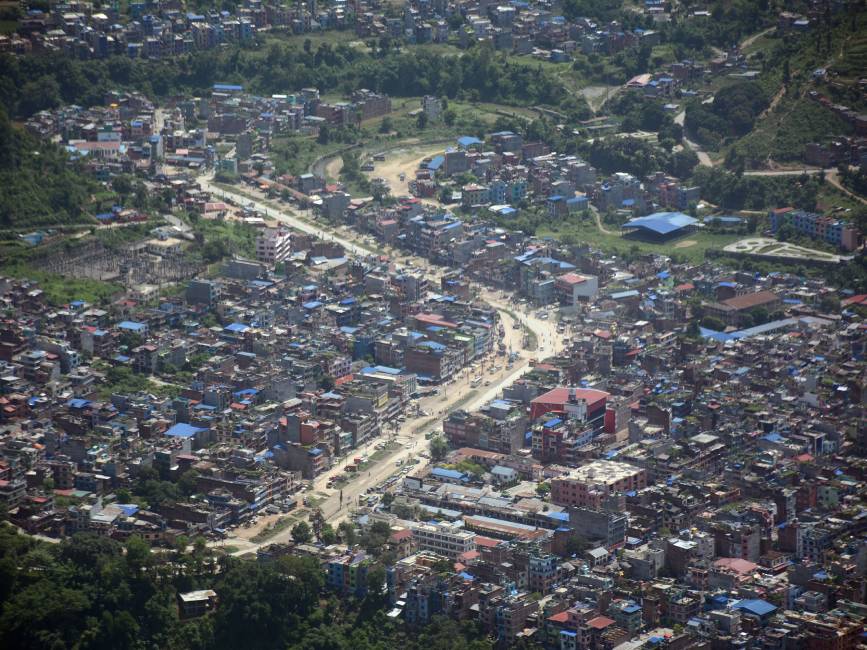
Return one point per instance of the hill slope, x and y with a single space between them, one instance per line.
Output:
38 187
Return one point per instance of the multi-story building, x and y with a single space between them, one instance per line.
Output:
445 538
816 226
348 574
590 485
273 245
433 361
486 431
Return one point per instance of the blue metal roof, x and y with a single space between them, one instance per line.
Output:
383 369
131 325
468 141
435 163
755 606
183 430
442 472
662 223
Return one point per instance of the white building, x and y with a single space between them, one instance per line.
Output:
273 245
573 288
445 538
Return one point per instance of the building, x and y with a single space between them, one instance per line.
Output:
734 311
432 361
816 226
273 245
572 288
445 538
347 574
192 604
590 485
486 431
660 226
203 292
584 404
474 194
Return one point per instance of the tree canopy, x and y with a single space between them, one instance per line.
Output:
92 593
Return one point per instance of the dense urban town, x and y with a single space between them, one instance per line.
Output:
433 324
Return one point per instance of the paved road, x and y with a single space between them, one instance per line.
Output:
784 172
283 213
410 434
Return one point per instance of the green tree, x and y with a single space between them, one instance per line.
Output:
439 447
138 555
576 545
346 531
376 581
713 323
122 184
324 136
301 532
328 535
829 304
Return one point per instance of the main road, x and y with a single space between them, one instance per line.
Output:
337 504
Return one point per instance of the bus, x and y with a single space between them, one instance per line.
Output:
475 382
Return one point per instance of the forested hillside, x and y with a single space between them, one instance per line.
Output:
33 83
91 593
37 184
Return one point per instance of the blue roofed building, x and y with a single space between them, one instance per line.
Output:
755 607
452 476
133 327
660 226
